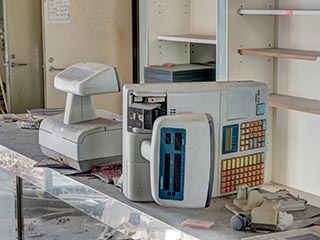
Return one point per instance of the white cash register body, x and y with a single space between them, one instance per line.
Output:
239 111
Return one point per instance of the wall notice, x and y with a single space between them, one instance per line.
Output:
59 10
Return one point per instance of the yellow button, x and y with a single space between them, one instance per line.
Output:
254 159
246 161
250 160
262 157
241 161
229 164
259 158
238 162
233 163
243 125
242 148
224 165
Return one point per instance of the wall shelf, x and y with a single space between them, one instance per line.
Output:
280 12
294 103
283 53
203 39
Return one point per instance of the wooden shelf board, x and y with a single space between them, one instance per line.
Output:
280 12
294 103
189 39
282 53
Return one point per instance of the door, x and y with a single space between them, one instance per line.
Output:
23 54
81 30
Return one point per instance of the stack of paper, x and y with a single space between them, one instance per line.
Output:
180 73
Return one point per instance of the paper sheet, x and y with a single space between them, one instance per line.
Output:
59 10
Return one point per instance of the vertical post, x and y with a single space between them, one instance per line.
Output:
222 45
135 41
19 208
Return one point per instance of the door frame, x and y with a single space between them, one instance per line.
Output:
7 58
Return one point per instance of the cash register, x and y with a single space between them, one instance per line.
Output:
83 137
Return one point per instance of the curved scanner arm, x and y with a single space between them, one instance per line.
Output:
181 155
81 81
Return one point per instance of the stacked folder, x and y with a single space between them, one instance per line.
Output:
180 73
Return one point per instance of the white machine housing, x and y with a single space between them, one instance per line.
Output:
81 137
232 105
82 145
181 145
82 80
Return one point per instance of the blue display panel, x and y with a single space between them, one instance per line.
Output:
230 139
172 163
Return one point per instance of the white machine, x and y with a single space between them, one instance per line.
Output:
239 111
83 137
177 143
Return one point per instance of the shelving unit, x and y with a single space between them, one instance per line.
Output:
283 53
294 103
189 39
177 32
262 40
280 12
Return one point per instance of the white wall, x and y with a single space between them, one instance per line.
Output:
296 145
203 17
98 31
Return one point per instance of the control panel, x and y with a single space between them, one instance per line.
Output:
253 135
172 161
247 169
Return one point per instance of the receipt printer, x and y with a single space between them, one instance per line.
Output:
156 117
83 137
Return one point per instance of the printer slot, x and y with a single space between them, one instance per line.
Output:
143 115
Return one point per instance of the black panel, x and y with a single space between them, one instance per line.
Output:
168 138
166 172
178 141
177 173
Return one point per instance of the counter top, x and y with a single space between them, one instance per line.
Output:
20 152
